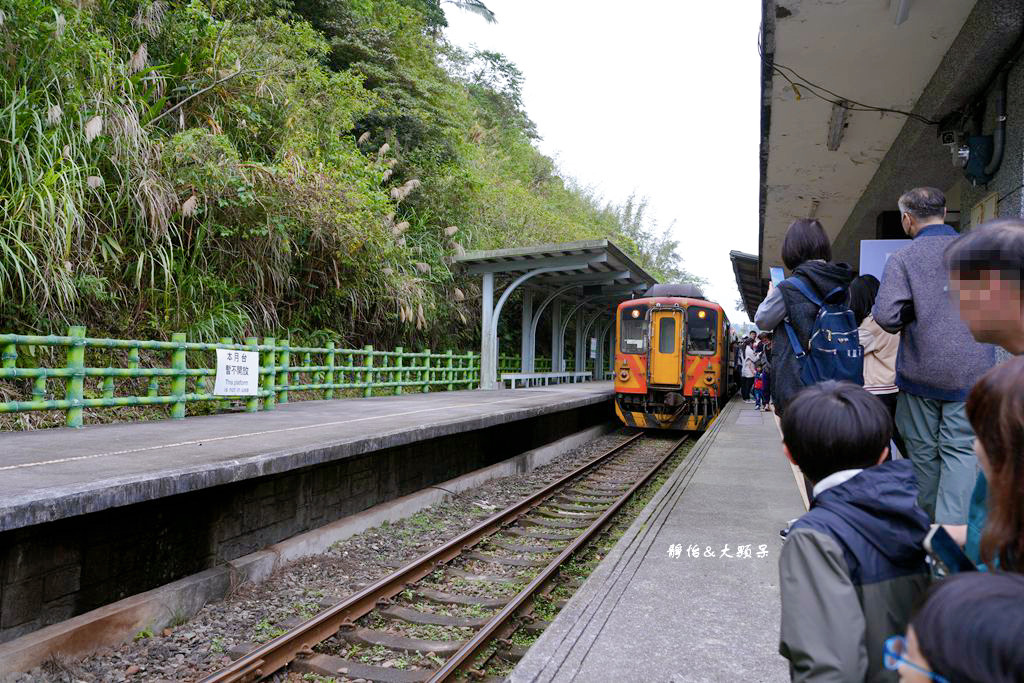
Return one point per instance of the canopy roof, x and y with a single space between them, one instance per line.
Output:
752 286
598 269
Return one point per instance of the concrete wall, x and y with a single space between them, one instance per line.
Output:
917 158
50 572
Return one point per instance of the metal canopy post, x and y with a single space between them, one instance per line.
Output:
611 347
526 345
599 354
488 359
556 336
579 360
586 342
489 372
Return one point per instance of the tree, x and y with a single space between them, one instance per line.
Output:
476 7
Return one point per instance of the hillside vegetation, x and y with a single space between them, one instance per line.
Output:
233 167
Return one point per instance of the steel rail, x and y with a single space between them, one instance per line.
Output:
281 651
462 659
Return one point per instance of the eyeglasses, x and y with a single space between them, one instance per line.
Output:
895 648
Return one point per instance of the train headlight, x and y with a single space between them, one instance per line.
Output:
624 374
635 313
702 314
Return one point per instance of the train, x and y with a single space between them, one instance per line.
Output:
672 354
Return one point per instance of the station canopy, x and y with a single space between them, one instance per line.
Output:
752 287
589 275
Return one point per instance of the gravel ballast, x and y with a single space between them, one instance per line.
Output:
256 613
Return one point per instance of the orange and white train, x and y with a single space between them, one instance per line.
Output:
672 359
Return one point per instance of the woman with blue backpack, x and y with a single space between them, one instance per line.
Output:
814 332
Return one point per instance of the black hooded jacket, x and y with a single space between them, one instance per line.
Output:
823 277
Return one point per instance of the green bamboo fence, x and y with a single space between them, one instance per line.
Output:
90 378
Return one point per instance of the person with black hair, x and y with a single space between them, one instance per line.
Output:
968 630
986 276
880 348
852 567
938 359
986 272
807 254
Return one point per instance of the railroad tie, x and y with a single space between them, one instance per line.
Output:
575 506
600 496
330 667
414 616
508 561
567 514
556 523
443 598
540 549
543 536
491 578
393 641
512 653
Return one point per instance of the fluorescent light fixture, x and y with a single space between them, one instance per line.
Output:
900 10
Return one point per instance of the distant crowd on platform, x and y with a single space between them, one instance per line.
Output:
909 563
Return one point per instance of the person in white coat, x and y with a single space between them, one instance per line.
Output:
750 356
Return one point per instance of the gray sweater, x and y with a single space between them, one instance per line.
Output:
938 357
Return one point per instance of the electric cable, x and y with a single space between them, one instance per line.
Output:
842 101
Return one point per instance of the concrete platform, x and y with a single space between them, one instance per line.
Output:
52 474
653 612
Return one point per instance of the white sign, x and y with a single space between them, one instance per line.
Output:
874 254
238 373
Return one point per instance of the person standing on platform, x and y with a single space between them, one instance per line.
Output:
749 370
986 277
880 349
852 568
938 359
759 400
807 253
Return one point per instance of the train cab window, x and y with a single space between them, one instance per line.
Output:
701 324
632 335
666 335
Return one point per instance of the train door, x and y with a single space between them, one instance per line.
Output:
666 347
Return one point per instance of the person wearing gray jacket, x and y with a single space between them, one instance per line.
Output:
853 566
938 359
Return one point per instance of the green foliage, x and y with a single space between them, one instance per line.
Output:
268 167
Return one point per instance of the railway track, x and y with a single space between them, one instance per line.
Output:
415 611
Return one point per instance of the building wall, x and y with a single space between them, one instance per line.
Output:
917 158
1007 182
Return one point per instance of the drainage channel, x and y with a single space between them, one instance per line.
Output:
468 607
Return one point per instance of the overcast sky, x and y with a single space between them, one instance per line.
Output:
652 97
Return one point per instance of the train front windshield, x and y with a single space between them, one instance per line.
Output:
633 330
701 328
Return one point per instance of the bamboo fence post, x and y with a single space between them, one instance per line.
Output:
286 359
449 374
398 373
75 383
330 372
226 403
426 371
270 378
368 376
179 381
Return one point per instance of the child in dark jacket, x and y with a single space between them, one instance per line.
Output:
759 381
852 567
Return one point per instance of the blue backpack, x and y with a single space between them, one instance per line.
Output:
834 350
